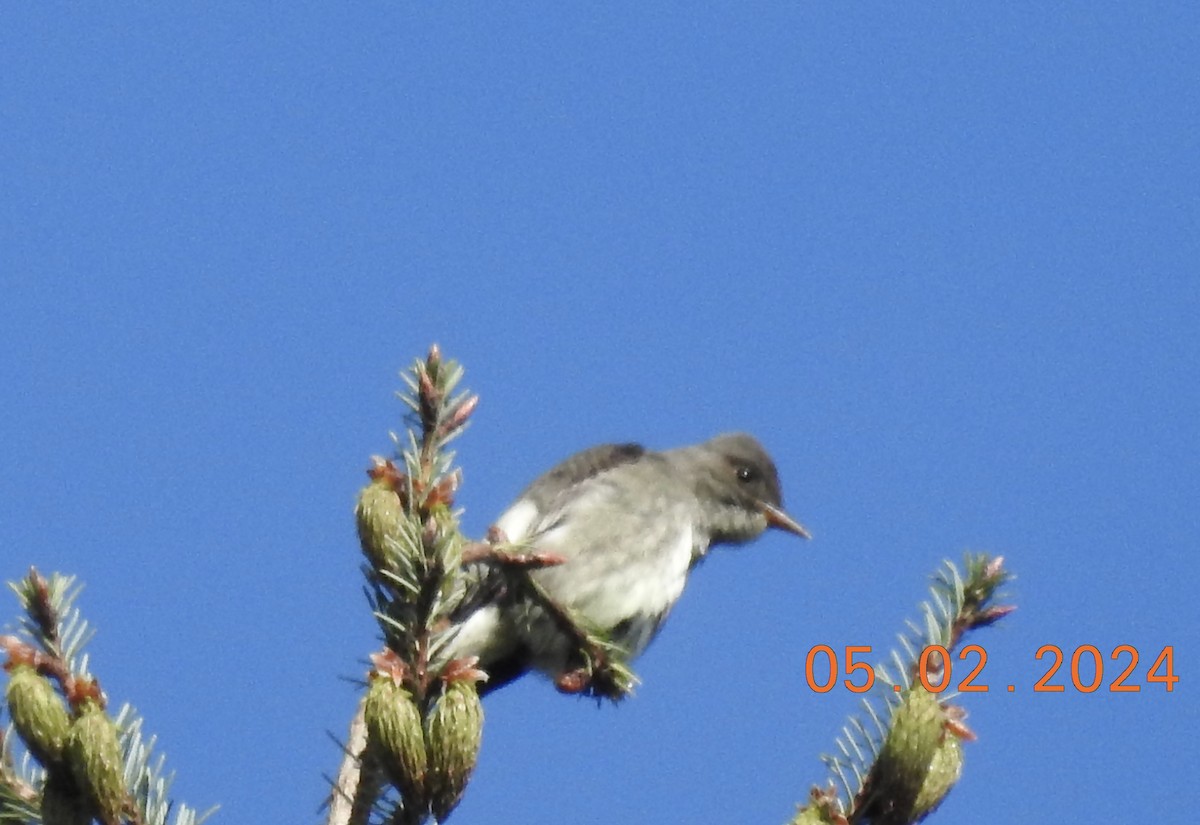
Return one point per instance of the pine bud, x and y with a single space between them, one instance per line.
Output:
94 756
453 730
395 736
904 778
62 803
38 714
379 515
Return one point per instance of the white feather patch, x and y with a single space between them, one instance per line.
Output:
518 520
478 635
645 589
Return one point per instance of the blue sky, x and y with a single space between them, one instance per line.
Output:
941 260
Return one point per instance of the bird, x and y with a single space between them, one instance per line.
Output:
628 525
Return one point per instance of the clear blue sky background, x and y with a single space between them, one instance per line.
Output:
941 259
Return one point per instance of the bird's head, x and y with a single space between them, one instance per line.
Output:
738 487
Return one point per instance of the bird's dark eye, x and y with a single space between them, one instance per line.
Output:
746 474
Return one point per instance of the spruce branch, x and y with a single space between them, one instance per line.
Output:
79 763
18 796
900 757
410 536
52 621
422 577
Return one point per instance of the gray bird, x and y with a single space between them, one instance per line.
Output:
630 524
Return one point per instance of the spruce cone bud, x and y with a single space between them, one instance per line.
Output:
823 808
811 815
38 714
903 774
62 803
453 730
379 514
944 772
94 756
394 730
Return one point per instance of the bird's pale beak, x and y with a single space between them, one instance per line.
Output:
782 521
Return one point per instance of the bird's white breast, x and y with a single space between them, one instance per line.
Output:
657 583
638 593
626 559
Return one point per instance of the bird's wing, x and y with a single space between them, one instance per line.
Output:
591 462
540 505
533 514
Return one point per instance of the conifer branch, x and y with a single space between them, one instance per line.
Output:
421 713
409 532
898 761
79 763
415 737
